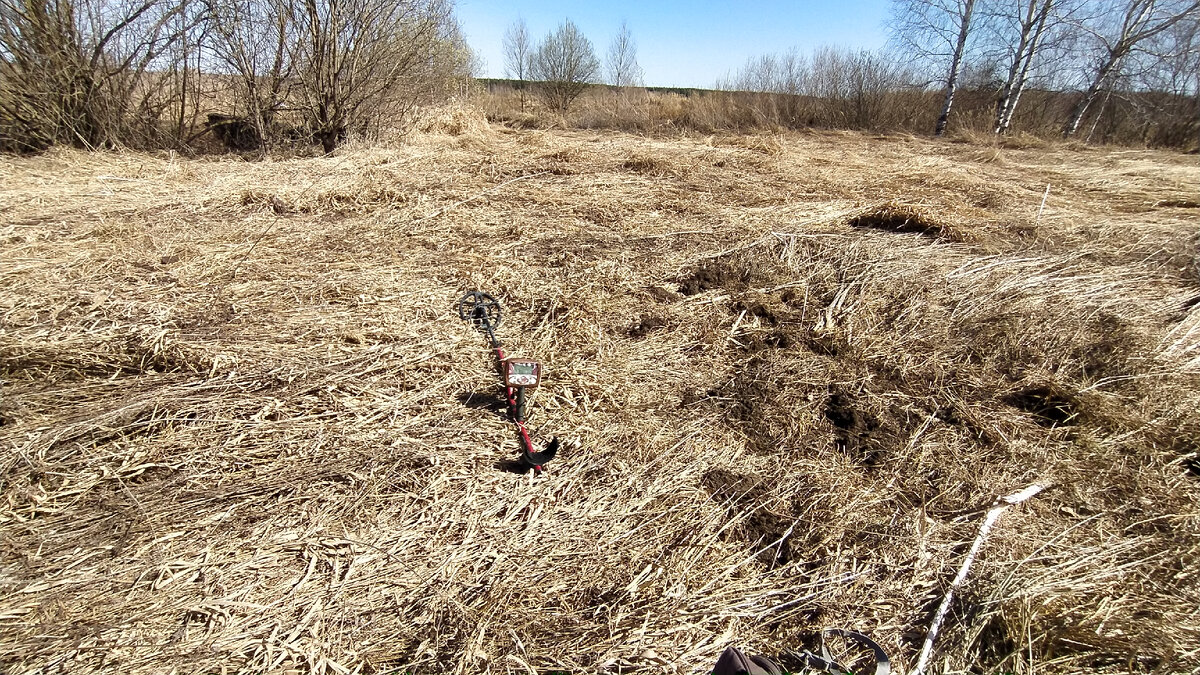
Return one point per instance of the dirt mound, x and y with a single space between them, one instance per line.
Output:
650 165
710 275
855 426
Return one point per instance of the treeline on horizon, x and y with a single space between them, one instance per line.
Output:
251 75
911 110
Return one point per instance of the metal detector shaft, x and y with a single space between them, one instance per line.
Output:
491 333
483 311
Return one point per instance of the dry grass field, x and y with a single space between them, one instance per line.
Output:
243 430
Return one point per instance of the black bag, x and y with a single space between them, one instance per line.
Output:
734 662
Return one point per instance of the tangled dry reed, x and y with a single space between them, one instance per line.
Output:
244 432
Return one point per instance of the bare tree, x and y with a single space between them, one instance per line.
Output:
1167 87
937 31
184 69
1032 17
792 72
76 72
257 41
1137 22
771 84
360 59
621 64
834 87
565 64
517 53
854 86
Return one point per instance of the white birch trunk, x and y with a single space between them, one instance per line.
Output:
955 64
1035 23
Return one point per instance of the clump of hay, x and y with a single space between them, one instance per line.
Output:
767 144
648 164
895 216
452 119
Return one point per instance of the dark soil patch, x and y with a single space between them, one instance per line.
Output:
840 411
825 344
762 527
776 339
900 218
725 484
646 325
1112 342
712 275
783 321
1182 440
647 165
757 309
858 433
757 406
694 396
750 396
995 643
1192 466
663 295
735 272
965 420
155 474
598 215
1050 405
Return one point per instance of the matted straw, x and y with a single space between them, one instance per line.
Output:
783 422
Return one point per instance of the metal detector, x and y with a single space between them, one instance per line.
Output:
482 311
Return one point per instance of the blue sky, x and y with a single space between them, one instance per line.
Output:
684 44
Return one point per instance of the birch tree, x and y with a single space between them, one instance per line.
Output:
621 64
938 32
1032 20
1118 33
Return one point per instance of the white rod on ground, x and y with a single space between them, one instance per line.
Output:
992 515
733 331
1037 221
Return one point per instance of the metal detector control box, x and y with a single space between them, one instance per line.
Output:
521 373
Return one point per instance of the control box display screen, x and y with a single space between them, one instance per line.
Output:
522 373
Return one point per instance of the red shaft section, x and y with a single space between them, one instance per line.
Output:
512 406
